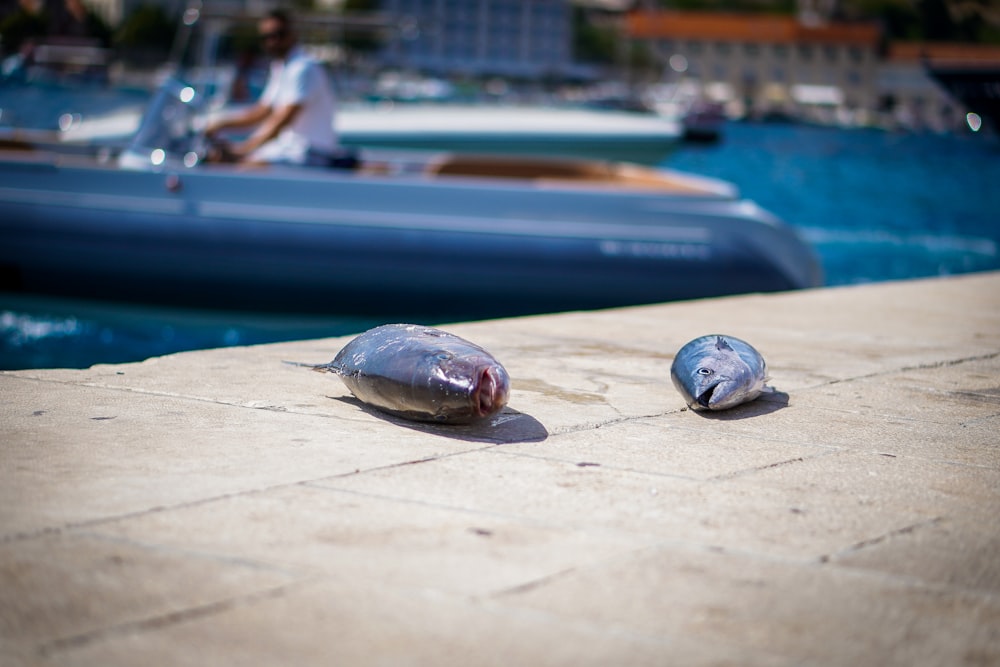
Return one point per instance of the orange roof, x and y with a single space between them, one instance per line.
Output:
943 52
724 26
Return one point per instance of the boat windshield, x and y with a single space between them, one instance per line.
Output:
166 135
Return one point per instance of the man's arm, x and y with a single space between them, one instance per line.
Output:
248 118
272 125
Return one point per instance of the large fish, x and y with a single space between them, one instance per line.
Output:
422 373
718 372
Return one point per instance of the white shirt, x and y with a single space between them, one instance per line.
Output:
299 80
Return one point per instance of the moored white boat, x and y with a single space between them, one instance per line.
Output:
529 130
526 130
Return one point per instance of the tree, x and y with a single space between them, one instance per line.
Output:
930 20
591 43
20 27
147 34
361 40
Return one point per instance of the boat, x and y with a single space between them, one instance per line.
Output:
466 128
536 129
703 122
434 235
701 119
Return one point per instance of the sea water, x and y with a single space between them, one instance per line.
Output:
875 205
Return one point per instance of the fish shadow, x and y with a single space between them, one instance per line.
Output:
763 405
508 427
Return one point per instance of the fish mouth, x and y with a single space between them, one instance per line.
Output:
704 399
491 391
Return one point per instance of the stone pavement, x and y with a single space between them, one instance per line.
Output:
222 508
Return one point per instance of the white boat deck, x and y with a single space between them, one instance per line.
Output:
445 119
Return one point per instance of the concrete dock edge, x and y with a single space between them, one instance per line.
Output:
220 507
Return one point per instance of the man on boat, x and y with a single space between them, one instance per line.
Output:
294 115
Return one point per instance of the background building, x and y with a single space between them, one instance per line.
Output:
764 64
515 38
756 64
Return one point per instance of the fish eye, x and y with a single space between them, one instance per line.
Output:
443 356
704 371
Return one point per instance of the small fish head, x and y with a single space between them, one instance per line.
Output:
717 380
468 386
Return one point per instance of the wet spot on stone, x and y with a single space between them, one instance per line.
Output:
551 390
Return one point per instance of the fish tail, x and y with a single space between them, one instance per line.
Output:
319 368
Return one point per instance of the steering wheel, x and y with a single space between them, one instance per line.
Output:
211 148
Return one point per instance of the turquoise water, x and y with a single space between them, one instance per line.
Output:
877 206
56 333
